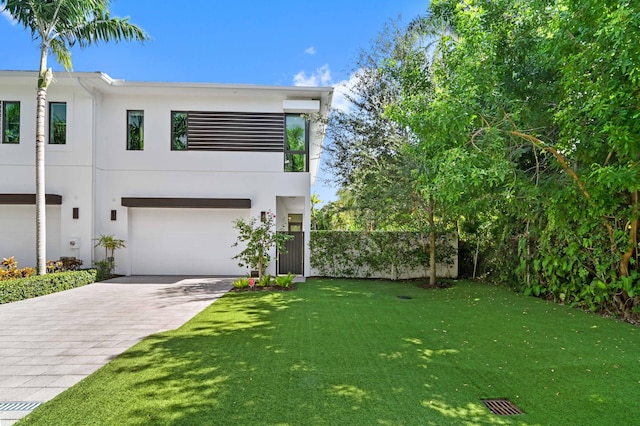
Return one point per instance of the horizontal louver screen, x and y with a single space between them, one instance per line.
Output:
235 131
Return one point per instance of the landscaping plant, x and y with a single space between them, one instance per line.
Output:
284 281
9 270
259 236
110 245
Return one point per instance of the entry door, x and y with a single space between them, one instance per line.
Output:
293 260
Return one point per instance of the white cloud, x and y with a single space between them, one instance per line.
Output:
320 77
8 16
341 89
310 50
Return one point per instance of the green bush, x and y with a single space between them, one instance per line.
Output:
242 282
40 285
284 280
264 281
360 254
103 268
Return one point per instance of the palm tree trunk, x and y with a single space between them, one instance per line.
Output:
41 216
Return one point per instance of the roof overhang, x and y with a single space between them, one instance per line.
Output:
187 203
29 199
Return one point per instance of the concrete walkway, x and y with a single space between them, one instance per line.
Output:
50 343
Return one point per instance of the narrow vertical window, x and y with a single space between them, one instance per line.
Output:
178 131
10 115
135 130
57 123
295 149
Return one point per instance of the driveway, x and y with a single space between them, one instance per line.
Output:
50 343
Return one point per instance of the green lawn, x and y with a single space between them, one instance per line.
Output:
341 352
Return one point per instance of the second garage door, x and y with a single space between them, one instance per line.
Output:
167 241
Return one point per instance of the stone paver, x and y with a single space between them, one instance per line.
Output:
50 343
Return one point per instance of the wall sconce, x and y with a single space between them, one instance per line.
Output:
76 213
113 214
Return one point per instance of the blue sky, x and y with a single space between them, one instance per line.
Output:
277 42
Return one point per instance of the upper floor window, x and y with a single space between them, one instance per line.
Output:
178 131
296 143
135 130
10 122
57 123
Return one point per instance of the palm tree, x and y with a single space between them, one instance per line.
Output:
315 200
59 25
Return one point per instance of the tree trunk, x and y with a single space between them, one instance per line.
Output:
432 243
633 237
44 78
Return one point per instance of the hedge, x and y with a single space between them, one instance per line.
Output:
39 285
377 254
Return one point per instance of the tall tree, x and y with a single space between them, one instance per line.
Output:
555 86
59 25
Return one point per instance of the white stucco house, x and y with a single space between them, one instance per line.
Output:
167 167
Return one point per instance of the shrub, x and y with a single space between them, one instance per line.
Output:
242 282
258 237
40 285
264 281
103 268
10 270
284 280
64 264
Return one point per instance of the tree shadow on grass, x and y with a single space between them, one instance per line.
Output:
228 366
186 376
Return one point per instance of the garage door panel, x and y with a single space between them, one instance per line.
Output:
18 233
183 241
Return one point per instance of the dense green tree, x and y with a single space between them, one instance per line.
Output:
555 86
59 25
519 122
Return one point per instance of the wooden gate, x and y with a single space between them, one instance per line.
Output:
293 260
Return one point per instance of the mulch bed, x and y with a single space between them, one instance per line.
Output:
266 288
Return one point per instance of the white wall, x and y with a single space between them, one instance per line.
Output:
93 171
68 173
18 233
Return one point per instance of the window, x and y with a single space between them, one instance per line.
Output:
135 130
10 122
296 142
57 123
178 131
295 222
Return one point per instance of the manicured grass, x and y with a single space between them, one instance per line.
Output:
340 352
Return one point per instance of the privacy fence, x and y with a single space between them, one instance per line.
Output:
380 254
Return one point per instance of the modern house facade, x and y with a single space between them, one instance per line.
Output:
167 167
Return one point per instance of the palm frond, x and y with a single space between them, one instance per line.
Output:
102 30
62 52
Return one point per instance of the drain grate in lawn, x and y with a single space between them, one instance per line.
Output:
405 297
18 406
501 407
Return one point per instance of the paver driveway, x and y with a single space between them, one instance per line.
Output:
49 343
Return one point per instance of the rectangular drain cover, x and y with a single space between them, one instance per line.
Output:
501 407
18 406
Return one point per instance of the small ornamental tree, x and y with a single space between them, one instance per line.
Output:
260 237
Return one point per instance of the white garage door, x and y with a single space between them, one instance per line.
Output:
18 233
168 241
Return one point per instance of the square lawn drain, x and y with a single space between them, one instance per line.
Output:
502 407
